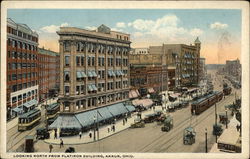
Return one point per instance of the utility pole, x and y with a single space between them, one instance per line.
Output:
206 140
215 121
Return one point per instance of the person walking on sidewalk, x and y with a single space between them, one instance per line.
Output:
123 121
90 134
50 148
80 134
55 134
108 129
61 143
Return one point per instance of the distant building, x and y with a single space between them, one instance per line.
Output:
148 78
22 70
137 51
202 68
185 58
49 73
233 68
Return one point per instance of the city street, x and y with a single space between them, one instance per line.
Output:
152 139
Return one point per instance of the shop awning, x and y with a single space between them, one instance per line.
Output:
113 72
90 74
110 73
79 74
94 87
118 73
94 74
90 88
30 103
117 109
143 102
83 74
121 72
104 112
65 121
151 90
133 94
130 108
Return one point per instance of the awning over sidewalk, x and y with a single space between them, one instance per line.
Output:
134 94
144 102
65 121
151 90
117 109
30 103
130 108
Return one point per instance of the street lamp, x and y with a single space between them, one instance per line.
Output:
94 127
215 121
206 140
226 118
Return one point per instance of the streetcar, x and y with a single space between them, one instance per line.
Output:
28 120
52 112
202 104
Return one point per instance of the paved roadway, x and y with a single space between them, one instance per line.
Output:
152 139
15 139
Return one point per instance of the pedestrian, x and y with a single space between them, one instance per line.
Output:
61 143
55 135
80 134
50 148
108 129
90 134
126 119
114 128
123 121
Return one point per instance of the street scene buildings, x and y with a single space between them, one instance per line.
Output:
98 90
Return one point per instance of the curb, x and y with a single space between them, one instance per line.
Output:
89 141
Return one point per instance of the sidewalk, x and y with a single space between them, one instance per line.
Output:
103 131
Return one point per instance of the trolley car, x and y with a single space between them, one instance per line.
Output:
52 112
29 120
204 103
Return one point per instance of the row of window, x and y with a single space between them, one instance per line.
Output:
21 76
21 55
93 48
91 74
14 66
21 34
21 45
80 61
24 96
93 88
90 102
17 87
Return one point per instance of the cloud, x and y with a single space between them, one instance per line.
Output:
196 32
218 25
91 27
116 29
138 34
120 25
142 25
53 28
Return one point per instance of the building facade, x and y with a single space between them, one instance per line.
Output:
94 68
233 68
139 51
22 69
202 69
185 58
48 73
147 77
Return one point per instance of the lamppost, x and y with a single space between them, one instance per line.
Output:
94 127
226 118
215 121
206 140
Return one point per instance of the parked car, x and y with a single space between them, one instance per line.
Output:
138 123
217 129
149 118
189 136
42 133
168 123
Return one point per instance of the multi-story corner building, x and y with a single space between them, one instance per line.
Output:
184 57
139 51
233 68
22 70
202 68
148 78
48 73
94 68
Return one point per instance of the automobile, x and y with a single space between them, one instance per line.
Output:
42 133
168 124
158 113
217 129
149 118
189 136
70 150
138 123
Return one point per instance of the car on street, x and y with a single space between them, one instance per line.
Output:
189 136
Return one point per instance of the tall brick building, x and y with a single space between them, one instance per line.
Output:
49 73
22 69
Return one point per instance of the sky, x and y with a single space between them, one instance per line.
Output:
219 30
